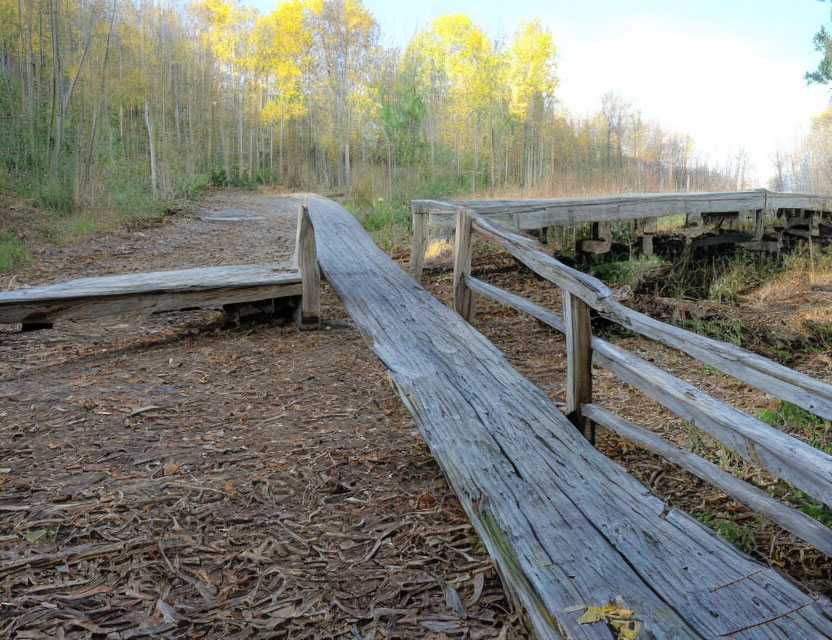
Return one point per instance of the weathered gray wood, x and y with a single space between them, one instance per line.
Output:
773 378
515 302
206 287
565 526
535 214
600 240
308 313
782 455
649 228
419 223
578 361
464 299
796 522
793 460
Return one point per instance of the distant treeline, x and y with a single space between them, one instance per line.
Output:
114 102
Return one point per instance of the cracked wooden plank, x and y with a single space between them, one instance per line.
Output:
565 526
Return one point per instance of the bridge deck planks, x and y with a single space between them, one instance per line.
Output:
565 526
536 214
149 292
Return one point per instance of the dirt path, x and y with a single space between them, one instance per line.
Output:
174 476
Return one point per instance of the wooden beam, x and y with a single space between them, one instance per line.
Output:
516 302
793 460
464 299
773 450
803 526
773 378
153 292
308 312
578 361
566 527
419 242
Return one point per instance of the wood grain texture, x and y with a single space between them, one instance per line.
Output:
535 214
793 460
809 393
308 312
419 244
566 527
464 299
803 526
209 287
686 395
578 361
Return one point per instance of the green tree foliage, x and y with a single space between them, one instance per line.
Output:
112 103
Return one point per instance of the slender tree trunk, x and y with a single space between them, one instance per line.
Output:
148 122
55 117
101 95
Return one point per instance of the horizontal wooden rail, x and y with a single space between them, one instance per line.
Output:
800 464
803 526
797 462
535 214
519 303
566 527
813 395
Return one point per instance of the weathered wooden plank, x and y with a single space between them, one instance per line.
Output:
565 526
515 302
796 522
464 299
773 378
308 313
777 452
534 214
419 242
793 460
210 287
578 361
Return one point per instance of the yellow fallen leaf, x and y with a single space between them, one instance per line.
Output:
592 614
170 468
627 629
615 614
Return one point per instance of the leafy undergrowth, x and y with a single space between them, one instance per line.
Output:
13 251
36 213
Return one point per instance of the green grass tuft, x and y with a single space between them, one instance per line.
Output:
13 251
739 535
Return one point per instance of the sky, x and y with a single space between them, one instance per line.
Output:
728 72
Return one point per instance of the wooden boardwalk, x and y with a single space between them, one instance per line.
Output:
756 219
566 527
205 287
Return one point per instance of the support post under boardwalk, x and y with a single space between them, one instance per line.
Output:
649 228
419 243
578 361
307 315
464 299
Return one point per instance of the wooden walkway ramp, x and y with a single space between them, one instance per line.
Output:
566 527
149 292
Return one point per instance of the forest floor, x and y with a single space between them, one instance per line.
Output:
178 476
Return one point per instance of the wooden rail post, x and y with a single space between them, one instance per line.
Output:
649 228
578 362
464 299
307 315
420 222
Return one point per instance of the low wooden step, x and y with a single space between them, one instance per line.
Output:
204 287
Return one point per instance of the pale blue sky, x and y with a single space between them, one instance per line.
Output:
729 72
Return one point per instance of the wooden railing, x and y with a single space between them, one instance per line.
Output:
307 314
749 208
778 453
